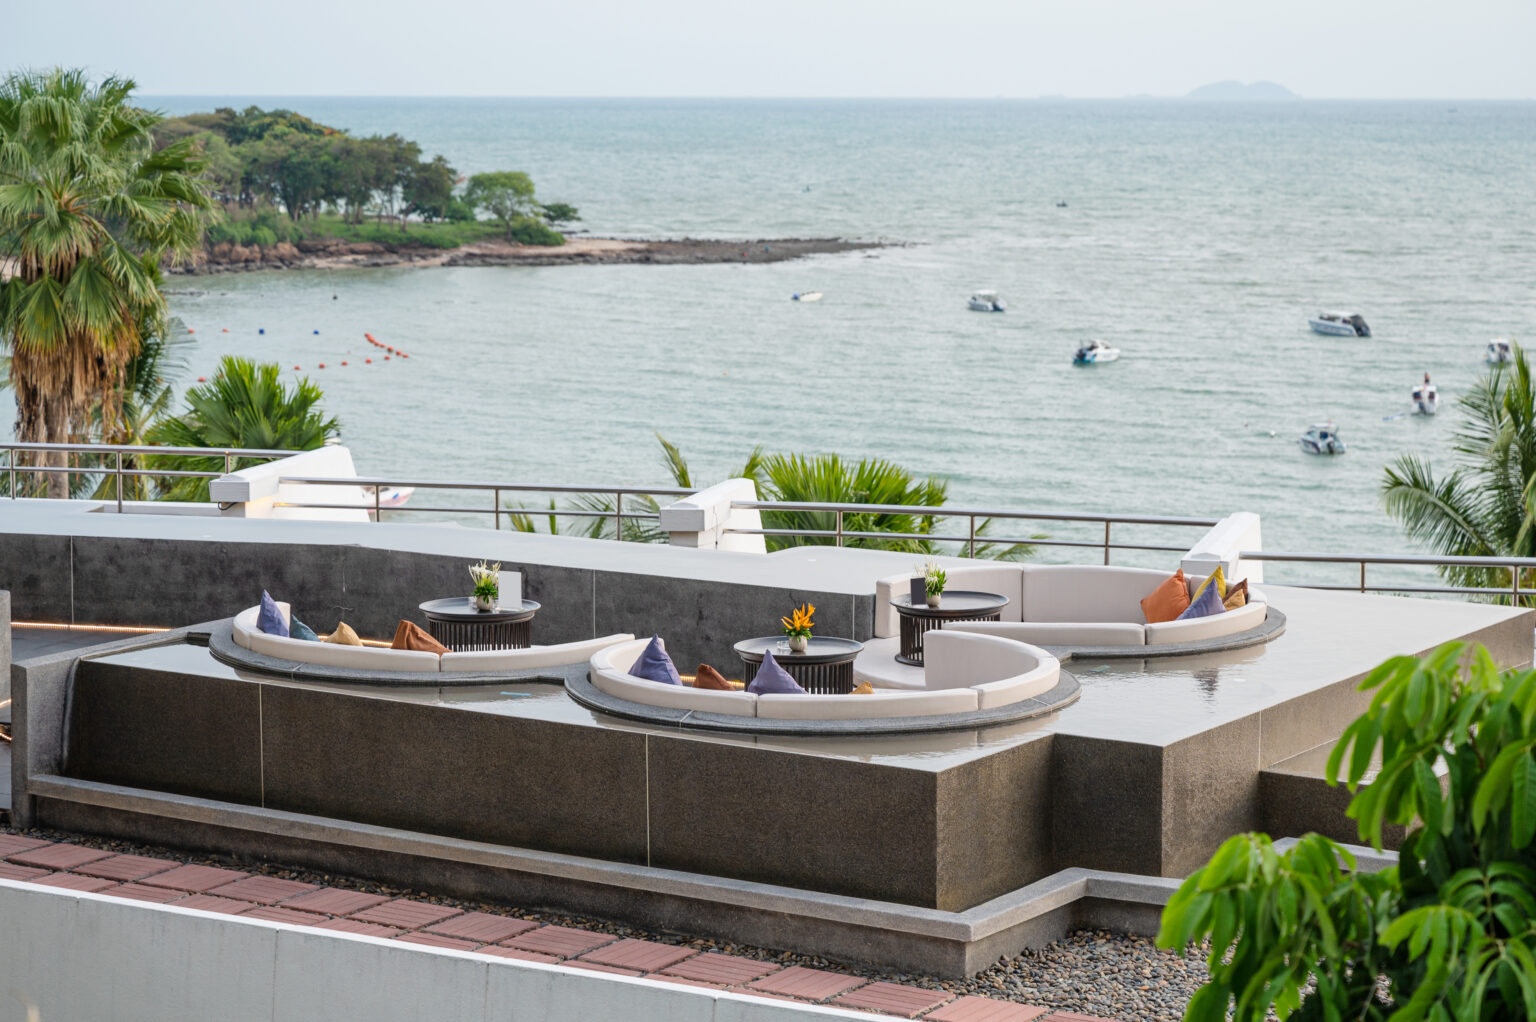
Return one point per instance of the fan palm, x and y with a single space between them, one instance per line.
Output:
1486 506
88 208
245 404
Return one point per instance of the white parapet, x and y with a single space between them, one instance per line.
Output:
1223 544
704 519
258 491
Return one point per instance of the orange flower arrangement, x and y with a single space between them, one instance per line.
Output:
799 622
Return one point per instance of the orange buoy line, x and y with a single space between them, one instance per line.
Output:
367 361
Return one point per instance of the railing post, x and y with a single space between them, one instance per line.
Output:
618 515
839 526
1362 576
119 481
378 509
972 544
1106 541
496 507
11 460
1514 573
229 463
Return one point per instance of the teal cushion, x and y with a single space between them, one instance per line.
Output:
655 665
270 618
1208 603
299 630
772 679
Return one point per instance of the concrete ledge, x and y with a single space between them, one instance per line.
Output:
75 955
863 931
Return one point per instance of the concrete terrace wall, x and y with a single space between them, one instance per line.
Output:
89 956
102 569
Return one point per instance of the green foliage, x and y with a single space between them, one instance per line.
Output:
935 579
1450 933
557 213
507 195
247 405
1484 508
529 231
88 208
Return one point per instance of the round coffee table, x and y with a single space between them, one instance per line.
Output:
960 605
458 625
825 668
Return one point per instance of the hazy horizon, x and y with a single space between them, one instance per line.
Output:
800 49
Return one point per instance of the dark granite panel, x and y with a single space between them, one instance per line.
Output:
1106 805
169 583
702 620
36 572
1210 792
1295 804
169 732
994 825
459 773
833 825
1303 723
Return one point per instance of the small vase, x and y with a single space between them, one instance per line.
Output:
484 603
934 598
799 643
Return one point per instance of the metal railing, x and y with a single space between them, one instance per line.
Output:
115 469
378 485
1515 566
971 515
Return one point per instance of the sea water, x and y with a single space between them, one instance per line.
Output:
1196 237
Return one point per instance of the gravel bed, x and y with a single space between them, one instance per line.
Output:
1095 972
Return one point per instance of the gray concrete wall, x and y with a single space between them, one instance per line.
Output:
5 652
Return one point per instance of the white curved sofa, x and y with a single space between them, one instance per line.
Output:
378 658
1072 605
979 672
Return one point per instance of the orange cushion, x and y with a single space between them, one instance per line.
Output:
707 677
1237 596
409 635
1168 600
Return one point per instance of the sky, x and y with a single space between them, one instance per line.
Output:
1441 49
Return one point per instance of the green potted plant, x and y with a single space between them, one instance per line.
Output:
933 582
797 628
487 589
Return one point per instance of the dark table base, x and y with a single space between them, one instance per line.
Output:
820 679
913 629
474 636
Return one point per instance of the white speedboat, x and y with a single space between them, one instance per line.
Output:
987 301
1322 438
1094 352
806 296
1339 324
1500 350
1426 399
388 496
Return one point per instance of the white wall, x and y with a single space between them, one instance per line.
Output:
83 956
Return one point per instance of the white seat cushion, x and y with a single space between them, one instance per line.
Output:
1091 593
1002 579
557 655
1014 690
1079 633
881 704
1213 627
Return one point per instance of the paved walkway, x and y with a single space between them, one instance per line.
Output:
213 889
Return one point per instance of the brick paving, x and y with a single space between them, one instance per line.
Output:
231 892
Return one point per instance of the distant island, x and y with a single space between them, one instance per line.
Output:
1239 91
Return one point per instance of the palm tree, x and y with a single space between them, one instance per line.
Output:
1486 507
245 404
88 208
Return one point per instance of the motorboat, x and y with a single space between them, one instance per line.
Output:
1426 399
1322 438
806 296
987 301
1500 350
1094 352
1340 324
387 496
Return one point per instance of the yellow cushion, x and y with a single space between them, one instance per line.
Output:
1237 596
864 689
1221 585
343 635
1168 600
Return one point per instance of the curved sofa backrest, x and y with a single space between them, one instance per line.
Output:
559 655
610 674
960 659
325 654
1070 592
1003 579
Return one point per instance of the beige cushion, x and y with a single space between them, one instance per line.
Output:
1003 579
1213 627
955 658
535 657
887 622
881 704
1071 593
1079 633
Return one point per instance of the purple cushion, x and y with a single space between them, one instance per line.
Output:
655 665
772 679
270 619
1209 603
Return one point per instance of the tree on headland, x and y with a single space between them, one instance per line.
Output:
88 208
557 214
244 404
505 194
1486 507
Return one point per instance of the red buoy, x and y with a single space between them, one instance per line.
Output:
386 358
295 368
368 360
202 379
343 363
322 365
191 331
